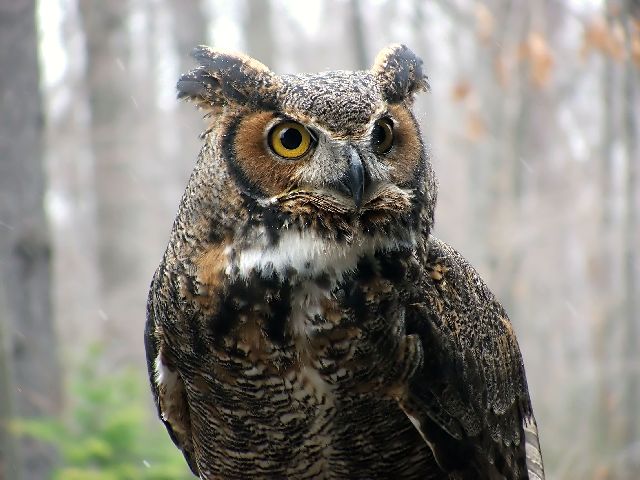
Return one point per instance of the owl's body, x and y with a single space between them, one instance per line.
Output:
304 323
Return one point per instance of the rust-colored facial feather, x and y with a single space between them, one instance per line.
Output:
271 175
406 153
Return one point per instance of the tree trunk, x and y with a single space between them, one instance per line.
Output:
259 35
359 37
25 251
9 451
631 237
605 285
72 183
121 84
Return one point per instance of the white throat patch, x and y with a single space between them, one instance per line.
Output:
308 254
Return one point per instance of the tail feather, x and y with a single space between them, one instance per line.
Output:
535 468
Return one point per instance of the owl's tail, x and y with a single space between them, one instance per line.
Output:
535 468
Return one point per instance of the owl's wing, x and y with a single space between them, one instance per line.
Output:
167 386
469 400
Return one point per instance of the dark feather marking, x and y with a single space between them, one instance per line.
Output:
356 301
221 323
279 313
366 270
323 281
273 221
227 144
199 342
390 267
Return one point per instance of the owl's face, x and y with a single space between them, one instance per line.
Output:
335 154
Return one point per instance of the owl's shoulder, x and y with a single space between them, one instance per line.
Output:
461 311
448 275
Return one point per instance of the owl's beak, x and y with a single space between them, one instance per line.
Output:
356 177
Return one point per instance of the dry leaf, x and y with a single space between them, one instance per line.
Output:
617 41
601 473
603 38
595 37
614 9
635 42
475 128
460 90
537 53
485 23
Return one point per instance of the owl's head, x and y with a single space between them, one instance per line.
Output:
335 154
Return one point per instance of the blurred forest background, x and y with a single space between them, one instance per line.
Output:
533 124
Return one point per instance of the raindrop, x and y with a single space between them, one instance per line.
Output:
6 225
526 165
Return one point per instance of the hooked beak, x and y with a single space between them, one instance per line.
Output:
355 178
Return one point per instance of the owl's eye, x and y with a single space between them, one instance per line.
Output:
382 135
289 139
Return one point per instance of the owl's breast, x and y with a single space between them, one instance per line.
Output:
287 360
307 304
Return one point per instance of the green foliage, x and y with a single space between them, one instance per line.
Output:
109 432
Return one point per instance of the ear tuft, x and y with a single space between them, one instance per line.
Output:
399 71
225 77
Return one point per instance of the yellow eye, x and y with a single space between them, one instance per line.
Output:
382 135
289 140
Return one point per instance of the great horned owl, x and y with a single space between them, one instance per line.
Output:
304 322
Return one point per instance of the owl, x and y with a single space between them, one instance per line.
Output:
304 322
